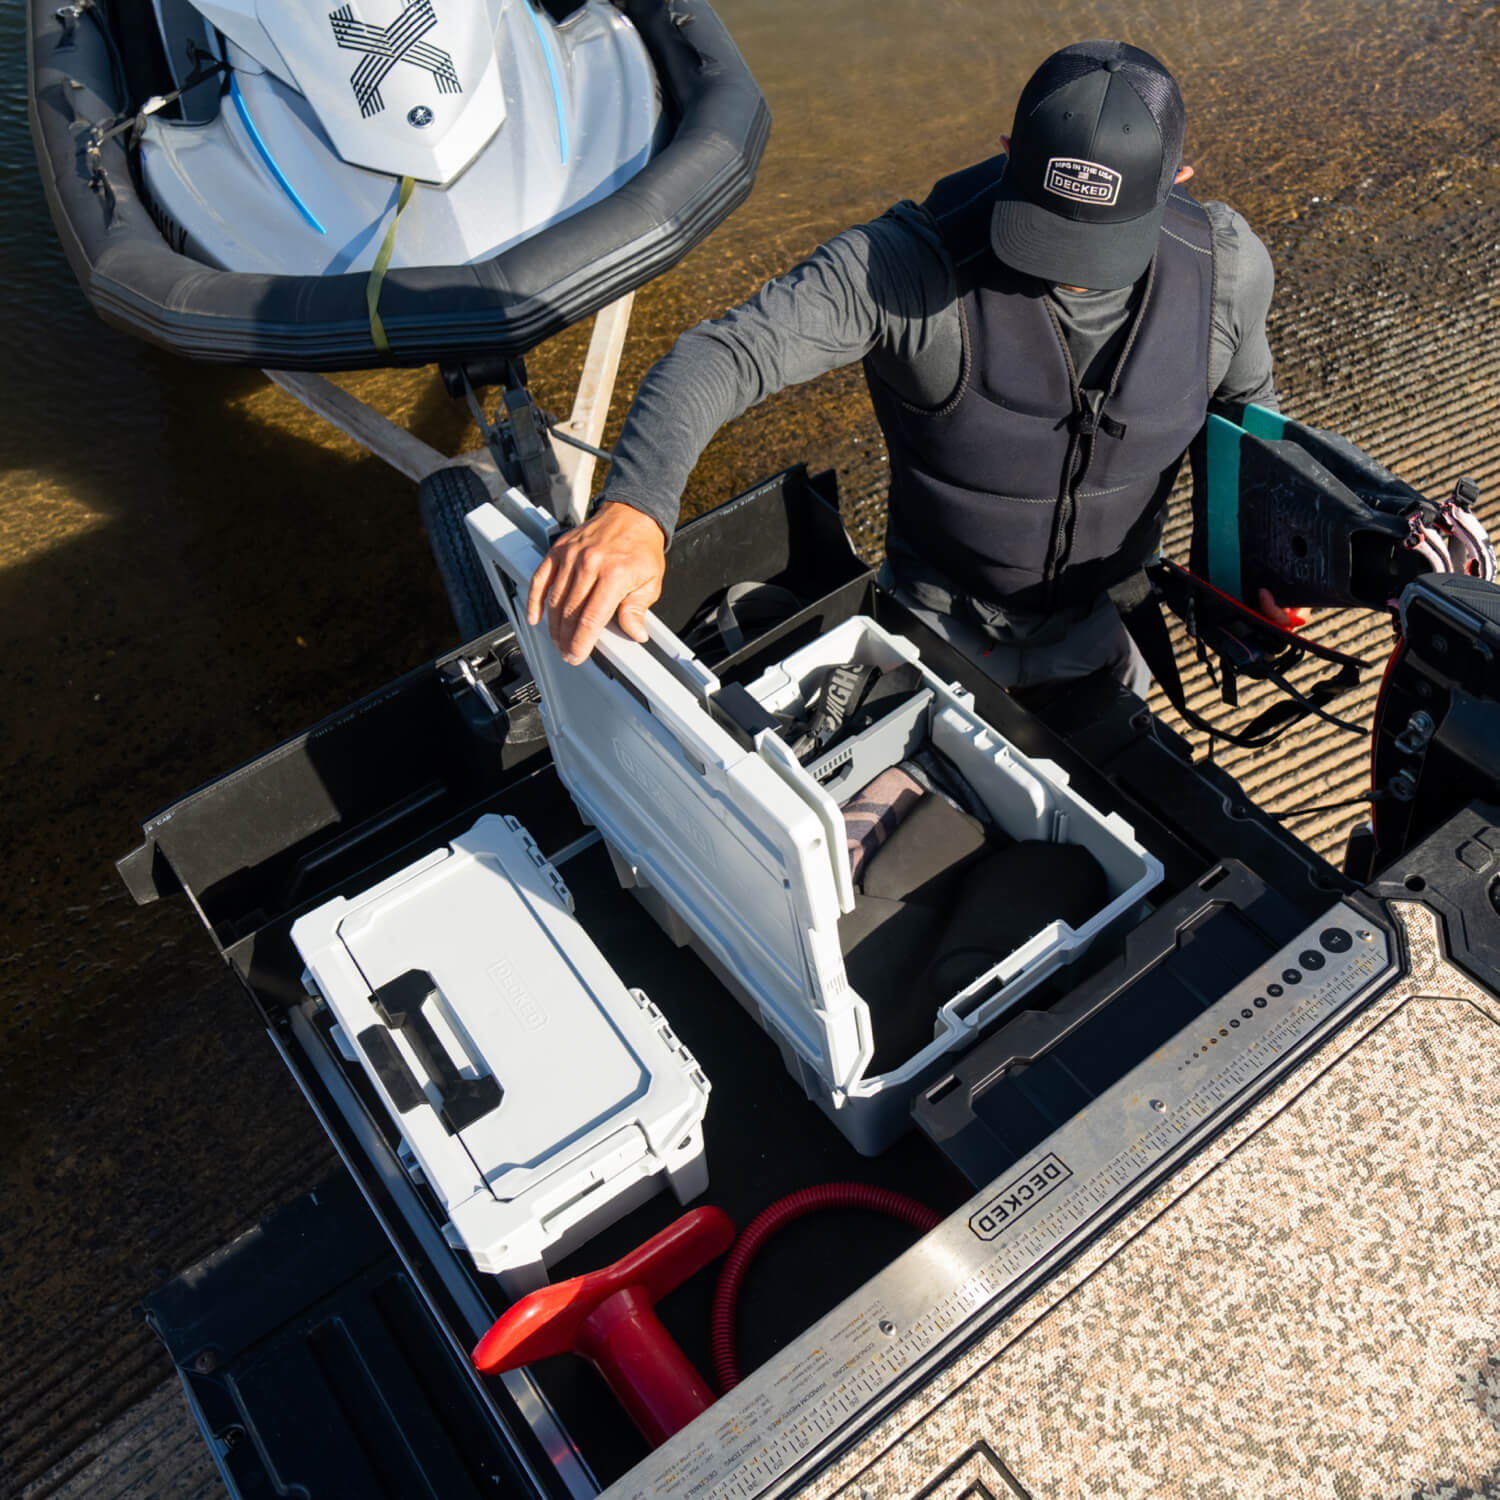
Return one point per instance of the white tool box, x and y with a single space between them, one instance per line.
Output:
735 847
539 1097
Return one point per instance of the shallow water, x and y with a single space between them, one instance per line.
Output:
192 568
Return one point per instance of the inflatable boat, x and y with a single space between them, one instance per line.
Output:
381 182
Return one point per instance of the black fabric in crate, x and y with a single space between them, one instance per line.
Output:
844 701
889 689
925 857
886 946
1006 898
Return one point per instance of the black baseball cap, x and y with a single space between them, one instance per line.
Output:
1093 154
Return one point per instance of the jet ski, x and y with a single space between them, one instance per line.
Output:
382 182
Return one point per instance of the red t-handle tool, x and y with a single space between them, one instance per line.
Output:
609 1317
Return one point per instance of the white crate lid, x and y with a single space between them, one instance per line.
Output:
749 851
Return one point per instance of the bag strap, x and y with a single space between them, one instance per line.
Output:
1139 600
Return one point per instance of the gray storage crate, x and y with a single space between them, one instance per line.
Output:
735 847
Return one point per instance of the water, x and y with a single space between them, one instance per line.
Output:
192 568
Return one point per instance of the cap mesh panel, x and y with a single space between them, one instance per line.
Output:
1158 92
1058 71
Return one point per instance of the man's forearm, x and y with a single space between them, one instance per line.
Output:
816 318
684 399
885 284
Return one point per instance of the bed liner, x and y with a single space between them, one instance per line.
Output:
1176 1292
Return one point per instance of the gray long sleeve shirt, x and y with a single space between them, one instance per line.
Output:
887 290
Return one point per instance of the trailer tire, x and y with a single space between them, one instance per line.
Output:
445 497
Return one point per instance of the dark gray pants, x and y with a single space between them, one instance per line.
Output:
1096 639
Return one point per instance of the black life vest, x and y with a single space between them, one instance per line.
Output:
1022 490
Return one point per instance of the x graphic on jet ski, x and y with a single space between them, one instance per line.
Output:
385 46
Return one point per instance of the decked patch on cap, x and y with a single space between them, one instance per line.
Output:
1082 181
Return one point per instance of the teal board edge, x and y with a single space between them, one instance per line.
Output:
1262 422
1222 508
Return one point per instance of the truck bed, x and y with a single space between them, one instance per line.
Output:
1206 1228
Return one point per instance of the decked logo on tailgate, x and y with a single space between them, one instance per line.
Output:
1083 181
385 46
1019 1195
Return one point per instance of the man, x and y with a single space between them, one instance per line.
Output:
1041 338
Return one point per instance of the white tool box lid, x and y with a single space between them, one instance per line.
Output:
748 850
521 1072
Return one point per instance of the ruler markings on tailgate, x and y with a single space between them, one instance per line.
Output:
752 1438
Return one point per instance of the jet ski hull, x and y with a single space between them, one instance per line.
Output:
138 279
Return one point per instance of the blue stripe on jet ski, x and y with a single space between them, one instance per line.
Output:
562 124
265 155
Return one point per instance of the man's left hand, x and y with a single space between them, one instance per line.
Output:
1288 619
610 568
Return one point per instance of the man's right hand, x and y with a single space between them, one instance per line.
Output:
611 565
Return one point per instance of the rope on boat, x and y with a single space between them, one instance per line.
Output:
382 263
